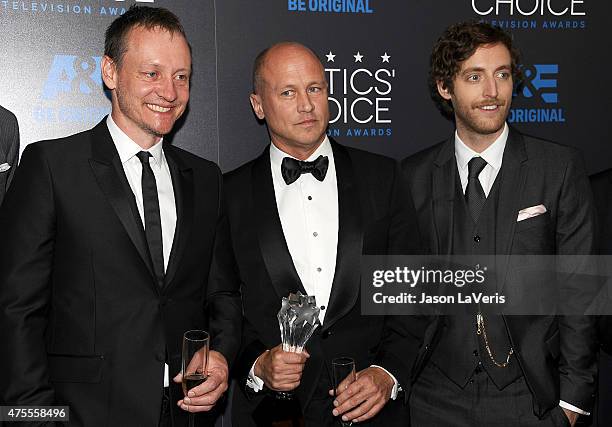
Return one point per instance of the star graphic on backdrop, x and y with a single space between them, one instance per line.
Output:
358 57
330 56
385 57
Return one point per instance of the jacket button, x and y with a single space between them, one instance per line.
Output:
326 334
477 239
163 301
160 357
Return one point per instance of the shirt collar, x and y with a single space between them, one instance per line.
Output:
493 155
277 155
127 148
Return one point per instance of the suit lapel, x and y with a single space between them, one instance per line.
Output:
272 243
346 283
182 184
109 174
513 177
443 194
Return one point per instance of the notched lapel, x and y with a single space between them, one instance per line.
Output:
443 195
182 184
513 176
108 171
347 277
272 243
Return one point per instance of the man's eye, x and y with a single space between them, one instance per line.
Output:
314 89
182 77
503 75
287 93
473 78
151 74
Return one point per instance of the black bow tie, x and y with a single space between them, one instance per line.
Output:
291 169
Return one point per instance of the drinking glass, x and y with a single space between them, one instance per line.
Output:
343 368
194 362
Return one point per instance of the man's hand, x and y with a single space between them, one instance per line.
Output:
365 397
281 370
571 416
203 397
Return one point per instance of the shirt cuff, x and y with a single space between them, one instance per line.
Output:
572 408
253 381
395 388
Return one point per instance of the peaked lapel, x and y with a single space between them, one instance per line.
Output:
346 283
182 184
272 243
108 171
443 195
513 176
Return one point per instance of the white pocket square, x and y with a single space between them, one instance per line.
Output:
4 167
530 212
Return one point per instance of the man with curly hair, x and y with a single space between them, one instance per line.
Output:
490 190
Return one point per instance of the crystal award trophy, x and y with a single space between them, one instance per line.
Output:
298 318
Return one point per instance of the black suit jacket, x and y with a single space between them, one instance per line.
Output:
368 218
556 354
83 321
9 148
601 183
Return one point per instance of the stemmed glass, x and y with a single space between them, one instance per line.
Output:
343 369
194 362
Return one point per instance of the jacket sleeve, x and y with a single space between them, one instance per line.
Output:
27 221
575 235
403 335
223 295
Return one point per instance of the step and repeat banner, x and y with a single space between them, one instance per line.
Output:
376 57
375 53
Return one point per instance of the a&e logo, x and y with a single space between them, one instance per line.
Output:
72 74
72 92
540 86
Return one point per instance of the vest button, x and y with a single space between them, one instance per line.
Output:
477 239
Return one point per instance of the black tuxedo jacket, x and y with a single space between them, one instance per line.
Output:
9 148
83 321
368 220
556 354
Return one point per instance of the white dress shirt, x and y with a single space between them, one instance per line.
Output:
132 167
493 155
308 211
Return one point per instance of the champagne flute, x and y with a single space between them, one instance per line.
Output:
194 362
343 369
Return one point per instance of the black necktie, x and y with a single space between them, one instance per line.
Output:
291 169
474 194
153 229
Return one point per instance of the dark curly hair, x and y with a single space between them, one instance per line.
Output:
458 43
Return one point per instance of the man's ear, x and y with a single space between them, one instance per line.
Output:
257 106
109 72
443 90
